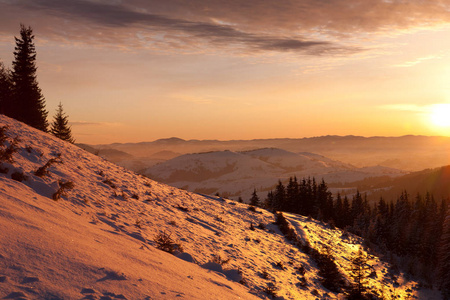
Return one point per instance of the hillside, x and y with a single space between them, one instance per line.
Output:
236 174
434 181
97 240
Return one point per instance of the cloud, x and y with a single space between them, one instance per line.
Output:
148 25
309 26
417 61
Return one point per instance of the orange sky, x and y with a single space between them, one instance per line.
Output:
130 71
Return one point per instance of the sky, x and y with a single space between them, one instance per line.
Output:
140 70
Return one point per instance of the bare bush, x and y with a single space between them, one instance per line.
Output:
271 290
109 182
63 188
165 243
3 136
18 176
219 260
7 153
42 171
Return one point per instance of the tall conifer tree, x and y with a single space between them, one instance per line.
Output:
60 126
254 200
28 102
5 90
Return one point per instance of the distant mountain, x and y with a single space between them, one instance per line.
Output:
164 155
394 152
237 173
295 161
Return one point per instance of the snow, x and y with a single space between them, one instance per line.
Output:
239 173
97 241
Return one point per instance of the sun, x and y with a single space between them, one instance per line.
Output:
440 115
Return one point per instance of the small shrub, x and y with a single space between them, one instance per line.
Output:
271 290
18 176
147 184
252 208
3 136
243 281
173 223
252 227
261 226
302 282
265 274
135 196
7 153
42 171
280 265
301 270
165 243
109 182
138 223
219 260
63 187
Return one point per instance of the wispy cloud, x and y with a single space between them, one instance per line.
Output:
117 15
414 62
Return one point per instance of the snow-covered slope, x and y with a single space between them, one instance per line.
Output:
97 240
238 173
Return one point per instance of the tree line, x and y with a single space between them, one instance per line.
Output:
20 95
413 233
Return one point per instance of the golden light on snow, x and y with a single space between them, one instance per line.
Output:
440 115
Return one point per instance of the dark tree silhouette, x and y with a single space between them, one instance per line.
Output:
5 90
359 274
254 200
444 257
60 126
28 102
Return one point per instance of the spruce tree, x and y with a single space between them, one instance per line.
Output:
28 102
5 90
60 126
359 274
254 200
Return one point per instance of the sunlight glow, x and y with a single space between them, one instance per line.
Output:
440 115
